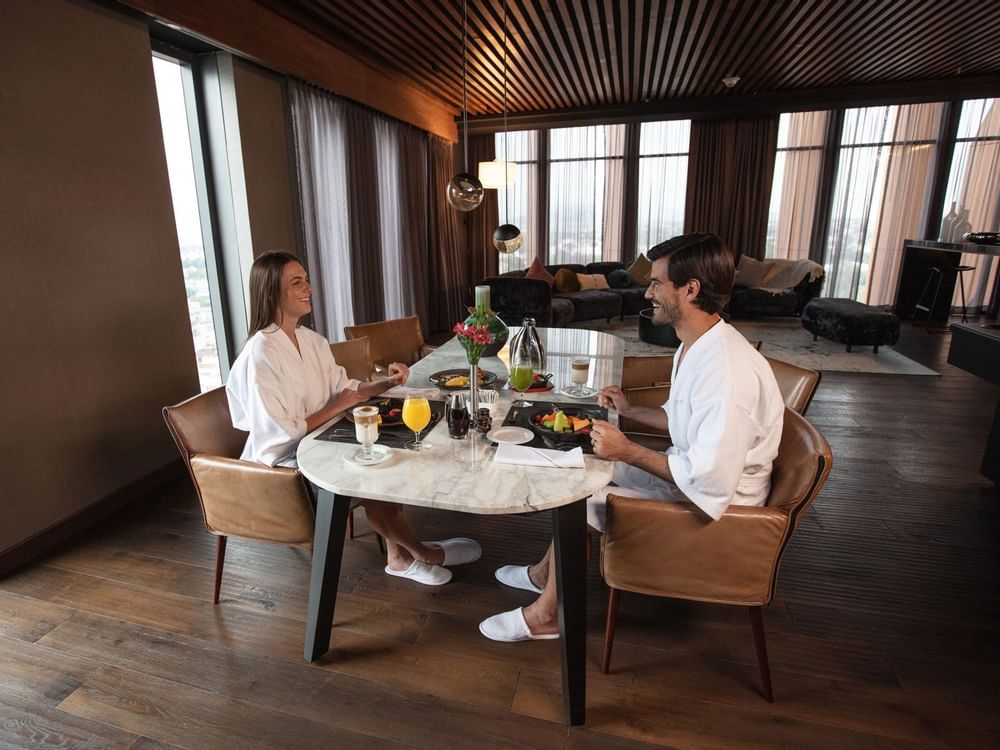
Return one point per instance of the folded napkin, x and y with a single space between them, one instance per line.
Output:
523 455
402 391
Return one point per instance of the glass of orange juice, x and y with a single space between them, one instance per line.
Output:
416 416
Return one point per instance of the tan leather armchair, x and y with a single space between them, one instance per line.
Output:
797 384
355 356
673 550
399 340
643 372
238 498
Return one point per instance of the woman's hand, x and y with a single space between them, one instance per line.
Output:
613 395
347 399
398 373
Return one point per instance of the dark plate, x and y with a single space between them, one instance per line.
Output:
562 437
440 378
541 382
385 406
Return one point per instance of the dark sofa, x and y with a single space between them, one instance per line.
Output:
774 287
514 297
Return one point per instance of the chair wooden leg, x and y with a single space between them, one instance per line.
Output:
759 639
609 628
220 559
350 524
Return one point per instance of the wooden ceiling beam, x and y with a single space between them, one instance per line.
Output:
259 33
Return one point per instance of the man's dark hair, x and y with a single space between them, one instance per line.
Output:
701 256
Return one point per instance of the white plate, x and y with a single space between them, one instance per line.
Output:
511 434
382 453
584 394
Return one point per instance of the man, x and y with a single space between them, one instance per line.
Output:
724 413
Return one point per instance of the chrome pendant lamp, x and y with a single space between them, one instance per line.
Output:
465 191
506 237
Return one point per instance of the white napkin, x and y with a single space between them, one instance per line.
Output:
523 455
401 391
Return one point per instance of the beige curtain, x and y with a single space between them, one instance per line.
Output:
614 195
978 163
904 196
797 178
730 173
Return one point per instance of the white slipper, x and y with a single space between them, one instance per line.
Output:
458 551
421 572
516 576
510 627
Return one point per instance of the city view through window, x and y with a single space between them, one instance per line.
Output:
184 193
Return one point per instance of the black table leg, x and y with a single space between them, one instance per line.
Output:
328 550
570 531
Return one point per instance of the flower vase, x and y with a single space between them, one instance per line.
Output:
496 326
473 389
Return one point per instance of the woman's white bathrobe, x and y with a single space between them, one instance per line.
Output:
272 388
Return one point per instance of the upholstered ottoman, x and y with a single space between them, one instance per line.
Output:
849 322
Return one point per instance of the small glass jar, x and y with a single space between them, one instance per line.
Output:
484 422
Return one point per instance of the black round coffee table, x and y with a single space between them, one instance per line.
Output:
654 334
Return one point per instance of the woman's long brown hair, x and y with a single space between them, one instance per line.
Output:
265 288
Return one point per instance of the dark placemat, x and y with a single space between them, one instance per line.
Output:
394 436
520 416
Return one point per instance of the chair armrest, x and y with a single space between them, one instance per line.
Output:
240 498
426 349
673 549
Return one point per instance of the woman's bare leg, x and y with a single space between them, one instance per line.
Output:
401 546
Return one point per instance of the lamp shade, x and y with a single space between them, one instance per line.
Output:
497 174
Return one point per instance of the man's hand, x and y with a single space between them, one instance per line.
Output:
609 442
613 395
398 373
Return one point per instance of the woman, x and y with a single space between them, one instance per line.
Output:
285 383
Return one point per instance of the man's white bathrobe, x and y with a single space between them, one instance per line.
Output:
272 388
725 414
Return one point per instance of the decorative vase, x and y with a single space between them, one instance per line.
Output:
528 337
947 233
496 326
473 387
962 226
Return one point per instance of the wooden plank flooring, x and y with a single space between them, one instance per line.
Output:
883 633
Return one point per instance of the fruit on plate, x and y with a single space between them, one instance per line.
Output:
559 421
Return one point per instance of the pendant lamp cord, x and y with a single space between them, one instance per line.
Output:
465 79
506 153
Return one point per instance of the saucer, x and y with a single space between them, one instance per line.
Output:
584 392
381 453
511 434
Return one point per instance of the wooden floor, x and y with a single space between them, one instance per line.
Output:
883 634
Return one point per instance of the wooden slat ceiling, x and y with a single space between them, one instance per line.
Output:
570 54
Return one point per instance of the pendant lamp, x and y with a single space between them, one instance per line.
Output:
506 237
465 191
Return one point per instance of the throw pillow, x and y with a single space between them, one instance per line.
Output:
752 272
592 281
537 271
639 270
566 281
619 279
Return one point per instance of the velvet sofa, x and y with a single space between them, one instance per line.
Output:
514 297
774 287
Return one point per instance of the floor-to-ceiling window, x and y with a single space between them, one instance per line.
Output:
883 181
518 204
586 180
188 189
972 200
797 165
663 165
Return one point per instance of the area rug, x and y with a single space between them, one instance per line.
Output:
783 339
